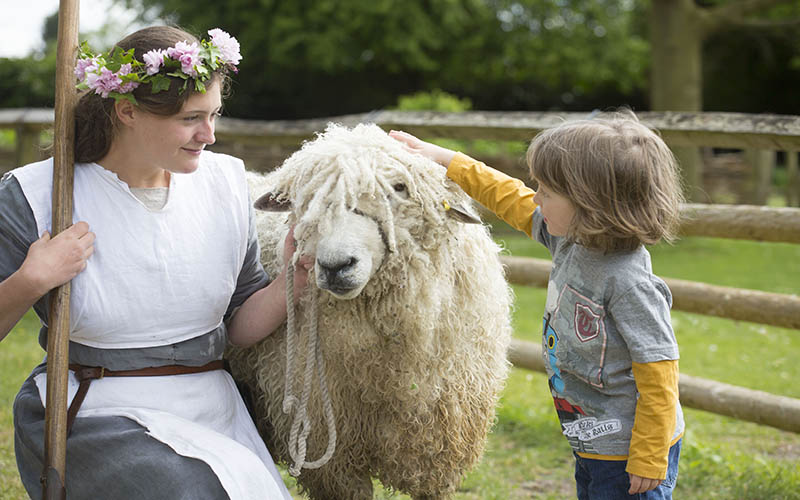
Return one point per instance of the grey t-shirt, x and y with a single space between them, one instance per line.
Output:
603 312
18 231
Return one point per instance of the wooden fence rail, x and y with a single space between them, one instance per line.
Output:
729 130
747 222
264 144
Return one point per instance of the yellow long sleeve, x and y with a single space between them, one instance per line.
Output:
509 198
654 423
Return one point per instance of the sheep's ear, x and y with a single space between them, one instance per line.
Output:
270 202
460 213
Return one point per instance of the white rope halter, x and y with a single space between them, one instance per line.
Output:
301 424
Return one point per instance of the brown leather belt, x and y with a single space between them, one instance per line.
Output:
85 375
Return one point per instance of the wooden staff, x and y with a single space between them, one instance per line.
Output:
55 426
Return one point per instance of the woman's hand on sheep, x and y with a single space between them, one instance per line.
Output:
265 310
302 266
440 155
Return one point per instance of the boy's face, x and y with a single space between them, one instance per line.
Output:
557 210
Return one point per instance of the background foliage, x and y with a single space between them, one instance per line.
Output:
325 57
312 58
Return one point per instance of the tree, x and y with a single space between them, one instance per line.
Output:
553 54
27 82
326 57
678 30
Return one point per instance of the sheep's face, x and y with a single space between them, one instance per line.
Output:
349 243
359 201
348 254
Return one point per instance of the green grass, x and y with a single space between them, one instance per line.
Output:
527 458
19 353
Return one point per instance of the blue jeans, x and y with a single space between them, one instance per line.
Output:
607 480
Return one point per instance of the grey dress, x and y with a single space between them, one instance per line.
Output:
109 456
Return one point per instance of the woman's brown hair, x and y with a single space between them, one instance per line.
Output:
95 120
620 176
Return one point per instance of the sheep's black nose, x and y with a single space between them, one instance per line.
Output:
331 269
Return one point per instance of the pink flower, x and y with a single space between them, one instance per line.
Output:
84 65
103 83
124 69
126 87
187 55
227 45
153 60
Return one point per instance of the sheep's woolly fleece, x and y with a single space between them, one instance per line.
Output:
415 362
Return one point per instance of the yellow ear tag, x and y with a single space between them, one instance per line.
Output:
445 205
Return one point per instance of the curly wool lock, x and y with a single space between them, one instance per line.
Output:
415 361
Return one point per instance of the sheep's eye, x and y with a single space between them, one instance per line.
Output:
399 187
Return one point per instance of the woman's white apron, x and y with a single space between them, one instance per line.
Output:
157 278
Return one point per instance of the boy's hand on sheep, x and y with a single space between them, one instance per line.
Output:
440 155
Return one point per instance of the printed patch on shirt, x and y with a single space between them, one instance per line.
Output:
579 318
587 323
551 343
586 429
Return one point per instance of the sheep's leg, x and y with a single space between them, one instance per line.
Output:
431 497
336 486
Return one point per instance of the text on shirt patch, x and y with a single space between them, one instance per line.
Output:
586 429
587 323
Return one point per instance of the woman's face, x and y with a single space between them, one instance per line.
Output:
174 142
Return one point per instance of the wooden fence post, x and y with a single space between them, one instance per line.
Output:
792 180
691 165
762 162
27 143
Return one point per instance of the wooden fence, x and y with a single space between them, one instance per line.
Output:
729 130
264 144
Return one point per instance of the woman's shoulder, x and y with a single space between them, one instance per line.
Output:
17 220
220 167
35 182
223 174
221 161
40 172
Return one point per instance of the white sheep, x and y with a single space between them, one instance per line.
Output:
412 316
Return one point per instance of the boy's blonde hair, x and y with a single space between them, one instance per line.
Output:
619 175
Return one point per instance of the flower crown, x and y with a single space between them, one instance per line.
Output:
117 73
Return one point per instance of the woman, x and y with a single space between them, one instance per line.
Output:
164 268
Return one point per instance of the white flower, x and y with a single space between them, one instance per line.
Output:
154 59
